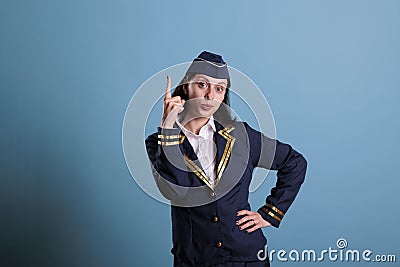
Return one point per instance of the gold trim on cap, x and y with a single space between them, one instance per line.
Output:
212 63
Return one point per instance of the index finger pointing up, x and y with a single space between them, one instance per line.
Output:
168 88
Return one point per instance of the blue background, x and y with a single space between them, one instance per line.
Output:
329 69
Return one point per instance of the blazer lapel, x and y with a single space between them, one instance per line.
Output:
224 142
191 160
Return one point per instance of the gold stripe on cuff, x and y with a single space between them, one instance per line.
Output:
161 136
274 216
276 210
271 214
170 143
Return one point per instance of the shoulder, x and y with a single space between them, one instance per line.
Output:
242 127
152 136
244 133
151 139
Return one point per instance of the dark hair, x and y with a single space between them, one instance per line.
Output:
223 115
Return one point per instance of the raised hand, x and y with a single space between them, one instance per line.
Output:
172 107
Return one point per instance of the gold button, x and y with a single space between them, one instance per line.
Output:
215 219
219 244
212 194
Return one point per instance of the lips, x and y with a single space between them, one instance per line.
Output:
206 106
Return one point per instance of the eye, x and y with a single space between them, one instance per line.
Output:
220 89
202 85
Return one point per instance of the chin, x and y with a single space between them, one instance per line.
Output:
204 114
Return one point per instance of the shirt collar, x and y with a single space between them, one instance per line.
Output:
210 126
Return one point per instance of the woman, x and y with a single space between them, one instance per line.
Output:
202 161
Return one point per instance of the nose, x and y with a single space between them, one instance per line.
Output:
210 93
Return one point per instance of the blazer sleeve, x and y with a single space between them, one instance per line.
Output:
167 163
291 170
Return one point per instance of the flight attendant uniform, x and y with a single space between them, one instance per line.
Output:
203 208
207 235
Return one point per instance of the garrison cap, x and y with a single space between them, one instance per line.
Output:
210 64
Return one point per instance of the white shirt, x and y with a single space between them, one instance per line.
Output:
204 146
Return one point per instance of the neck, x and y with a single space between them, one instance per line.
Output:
194 125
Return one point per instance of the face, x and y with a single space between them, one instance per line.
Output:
206 94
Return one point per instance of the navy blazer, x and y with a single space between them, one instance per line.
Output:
204 229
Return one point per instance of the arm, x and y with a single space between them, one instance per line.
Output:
164 153
166 160
291 167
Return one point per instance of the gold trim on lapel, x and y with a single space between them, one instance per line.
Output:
230 141
197 170
222 164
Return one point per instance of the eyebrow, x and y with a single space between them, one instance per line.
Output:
201 76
